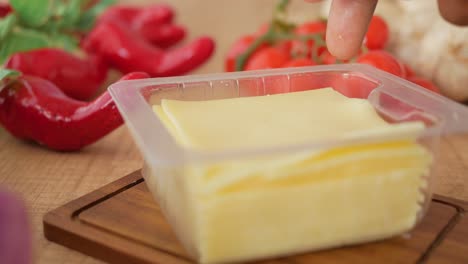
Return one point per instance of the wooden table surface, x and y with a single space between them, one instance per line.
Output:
49 179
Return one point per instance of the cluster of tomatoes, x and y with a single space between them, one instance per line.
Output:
304 45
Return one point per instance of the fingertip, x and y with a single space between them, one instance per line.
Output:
347 25
341 47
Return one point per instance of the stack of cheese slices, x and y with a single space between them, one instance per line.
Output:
282 203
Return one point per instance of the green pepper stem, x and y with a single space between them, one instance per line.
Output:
277 22
271 37
7 75
282 6
241 60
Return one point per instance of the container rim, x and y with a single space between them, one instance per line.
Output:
152 138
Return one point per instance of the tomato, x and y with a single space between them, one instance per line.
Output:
353 86
425 83
377 34
327 58
308 28
267 58
384 61
239 47
284 46
299 62
262 29
408 70
316 27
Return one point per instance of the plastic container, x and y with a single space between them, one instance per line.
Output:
166 162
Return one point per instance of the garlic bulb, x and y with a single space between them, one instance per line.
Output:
444 57
435 48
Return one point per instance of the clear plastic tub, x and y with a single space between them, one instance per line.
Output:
167 164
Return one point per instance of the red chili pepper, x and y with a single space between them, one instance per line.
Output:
33 108
153 23
124 13
77 78
5 9
127 51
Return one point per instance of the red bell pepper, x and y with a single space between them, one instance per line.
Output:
33 108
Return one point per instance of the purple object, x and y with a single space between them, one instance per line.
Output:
15 237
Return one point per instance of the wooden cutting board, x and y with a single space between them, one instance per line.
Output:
121 223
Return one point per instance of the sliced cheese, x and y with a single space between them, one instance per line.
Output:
266 121
272 222
278 204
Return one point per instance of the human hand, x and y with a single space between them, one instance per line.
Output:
347 26
454 11
348 21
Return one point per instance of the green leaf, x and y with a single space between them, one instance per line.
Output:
6 25
50 27
88 18
32 13
22 40
63 41
47 23
68 14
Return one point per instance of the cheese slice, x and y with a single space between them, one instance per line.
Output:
266 121
279 204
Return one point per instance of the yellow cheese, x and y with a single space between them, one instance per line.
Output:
273 205
284 119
